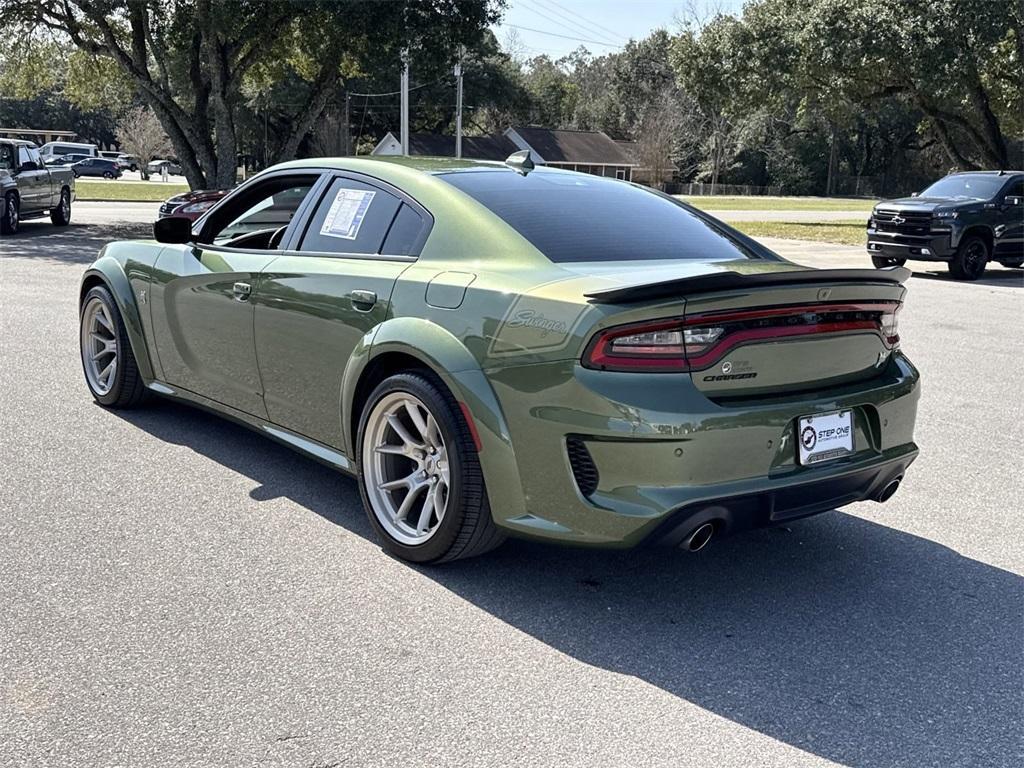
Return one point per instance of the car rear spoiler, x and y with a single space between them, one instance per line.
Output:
727 281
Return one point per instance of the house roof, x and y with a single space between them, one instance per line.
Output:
562 146
495 147
629 147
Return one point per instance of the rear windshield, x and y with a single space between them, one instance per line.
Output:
578 217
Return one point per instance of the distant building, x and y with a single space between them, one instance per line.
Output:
38 135
495 147
586 151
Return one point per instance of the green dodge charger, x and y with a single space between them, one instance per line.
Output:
501 350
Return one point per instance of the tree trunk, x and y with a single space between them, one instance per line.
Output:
325 83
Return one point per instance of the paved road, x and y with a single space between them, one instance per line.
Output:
177 591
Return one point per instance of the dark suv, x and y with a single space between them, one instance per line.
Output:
965 219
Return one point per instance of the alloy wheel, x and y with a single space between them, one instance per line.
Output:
99 346
406 468
975 258
65 205
12 213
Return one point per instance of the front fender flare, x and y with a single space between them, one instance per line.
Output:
109 271
449 359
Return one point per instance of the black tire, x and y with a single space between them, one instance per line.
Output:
133 168
10 217
971 259
61 215
881 262
74 173
467 529
128 389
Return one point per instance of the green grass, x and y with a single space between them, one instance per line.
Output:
844 232
762 203
127 191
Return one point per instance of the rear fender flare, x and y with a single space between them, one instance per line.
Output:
448 358
109 272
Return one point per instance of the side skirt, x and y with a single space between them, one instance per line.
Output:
318 451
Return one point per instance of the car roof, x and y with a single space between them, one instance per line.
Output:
20 142
987 173
432 165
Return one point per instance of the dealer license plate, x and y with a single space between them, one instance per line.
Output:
825 436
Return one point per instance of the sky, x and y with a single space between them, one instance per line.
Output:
603 26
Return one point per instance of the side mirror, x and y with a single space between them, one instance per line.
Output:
173 229
31 165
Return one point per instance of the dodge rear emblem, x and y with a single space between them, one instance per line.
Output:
726 367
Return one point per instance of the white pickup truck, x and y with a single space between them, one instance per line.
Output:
29 189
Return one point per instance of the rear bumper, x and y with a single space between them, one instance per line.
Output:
936 246
664 458
778 504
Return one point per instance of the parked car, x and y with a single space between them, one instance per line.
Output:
58 148
193 204
128 162
965 220
97 166
496 350
29 189
154 167
65 159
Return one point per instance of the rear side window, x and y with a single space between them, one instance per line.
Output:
404 235
352 217
577 217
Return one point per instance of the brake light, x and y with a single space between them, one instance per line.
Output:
681 345
890 327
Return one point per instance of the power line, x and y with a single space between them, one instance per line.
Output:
396 93
575 28
584 18
564 37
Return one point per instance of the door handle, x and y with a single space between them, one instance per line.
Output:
241 291
363 300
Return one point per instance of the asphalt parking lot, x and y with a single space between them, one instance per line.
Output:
177 591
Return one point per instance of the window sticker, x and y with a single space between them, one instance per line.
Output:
347 213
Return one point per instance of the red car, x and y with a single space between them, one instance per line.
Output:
193 204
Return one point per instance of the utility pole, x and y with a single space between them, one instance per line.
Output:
348 124
405 102
458 102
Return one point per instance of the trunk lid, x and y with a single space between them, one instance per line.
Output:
784 328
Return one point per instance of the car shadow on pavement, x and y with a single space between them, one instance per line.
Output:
73 244
1008 278
842 637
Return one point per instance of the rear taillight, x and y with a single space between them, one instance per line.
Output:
681 345
890 326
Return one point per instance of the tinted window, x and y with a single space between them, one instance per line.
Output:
270 212
7 157
1016 189
352 217
263 206
576 217
404 233
966 186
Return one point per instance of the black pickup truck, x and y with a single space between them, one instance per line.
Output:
28 189
965 219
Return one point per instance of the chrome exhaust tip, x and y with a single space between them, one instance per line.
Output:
887 493
699 539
